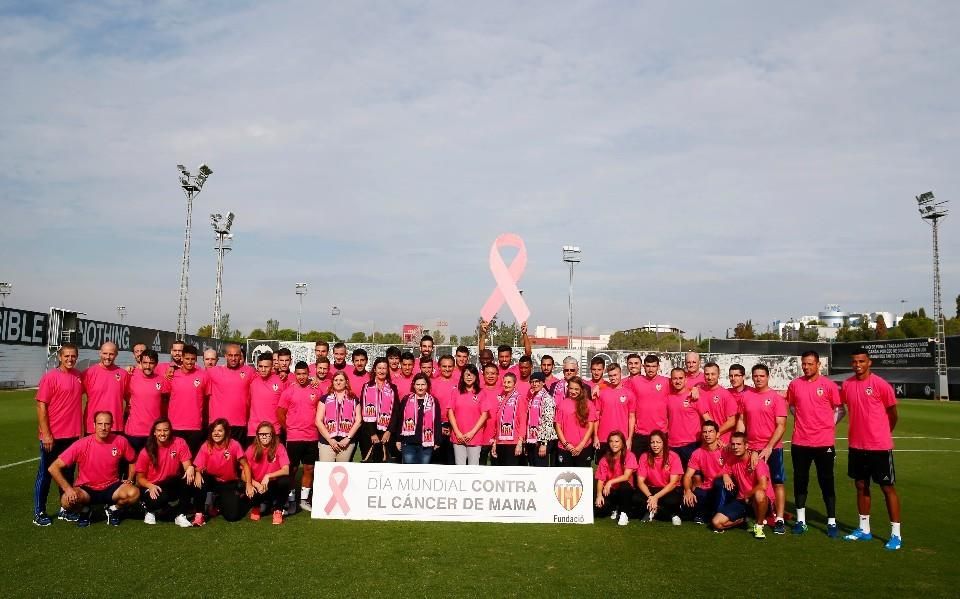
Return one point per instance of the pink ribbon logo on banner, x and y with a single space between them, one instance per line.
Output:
337 488
506 278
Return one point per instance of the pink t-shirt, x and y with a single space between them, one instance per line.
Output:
146 402
694 380
760 411
222 463
719 405
684 419
162 368
442 389
404 383
511 418
467 409
657 475
301 406
709 463
170 460
230 393
187 390
814 405
263 467
867 402
523 387
513 368
357 381
613 411
605 473
264 397
650 402
566 420
105 388
745 478
63 394
491 397
98 463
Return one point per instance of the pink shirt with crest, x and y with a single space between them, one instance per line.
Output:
867 402
657 475
264 397
222 463
62 392
264 466
814 410
745 478
566 420
684 419
187 392
98 462
230 393
614 407
301 406
760 411
719 405
605 473
170 458
105 389
146 402
650 402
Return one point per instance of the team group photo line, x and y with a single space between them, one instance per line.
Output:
192 439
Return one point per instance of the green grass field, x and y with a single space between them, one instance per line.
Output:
305 558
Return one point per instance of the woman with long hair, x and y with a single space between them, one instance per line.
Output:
615 492
270 472
575 423
377 399
468 416
658 478
166 474
222 471
338 421
416 423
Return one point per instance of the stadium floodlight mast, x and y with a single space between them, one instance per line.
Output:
121 312
335 312
5 290
571 255
191 185
932 210
221 228
301 289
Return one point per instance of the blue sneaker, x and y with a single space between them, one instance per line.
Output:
67 516
833 531
113 517
858 535
799 528
83 519
42 519
893 544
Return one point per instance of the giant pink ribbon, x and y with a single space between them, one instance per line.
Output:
506 278
337 489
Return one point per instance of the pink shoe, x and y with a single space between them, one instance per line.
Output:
255 514
277 517
198 519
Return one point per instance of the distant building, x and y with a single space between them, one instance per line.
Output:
831 319
547 337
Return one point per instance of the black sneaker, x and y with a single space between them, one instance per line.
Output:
83 519
42 519
113 516
67 516
779 528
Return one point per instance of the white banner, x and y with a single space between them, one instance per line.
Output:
353 491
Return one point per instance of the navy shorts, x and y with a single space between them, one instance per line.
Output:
778 474
735 510
103 496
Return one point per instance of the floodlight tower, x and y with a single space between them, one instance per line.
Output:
191 185
121 312
5 290
571 255
221 228
931 210
301 290
335 312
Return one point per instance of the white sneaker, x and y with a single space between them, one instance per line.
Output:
675 520
649 517
305 505
182 521
149 518
613 515
623 520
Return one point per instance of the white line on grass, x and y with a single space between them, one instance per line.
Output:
20 463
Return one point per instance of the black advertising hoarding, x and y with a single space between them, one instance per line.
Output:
22 327
761 347
91 334
890 353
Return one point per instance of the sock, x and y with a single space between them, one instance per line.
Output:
895 529
304 493
801 514
831 521
113 508
865 523
778 518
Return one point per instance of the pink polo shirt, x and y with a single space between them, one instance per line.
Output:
264 466
657 475
760 411
187 392
814 405
719 405
230 393
605 473
867 402
222 463
98 463
684 419
62 392
105 388
264 397
146 402
614 407
170 458
650 402
566 420
301 406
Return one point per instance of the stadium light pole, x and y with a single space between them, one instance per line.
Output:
5 290
191 185
571 255
335 312
301 289
221 228
932 211
121 312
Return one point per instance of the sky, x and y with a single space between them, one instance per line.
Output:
715 161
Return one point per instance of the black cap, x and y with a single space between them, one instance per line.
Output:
538 376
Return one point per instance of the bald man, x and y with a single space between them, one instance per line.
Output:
691 369
105 383
210 358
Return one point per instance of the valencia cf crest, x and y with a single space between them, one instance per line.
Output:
819 391
623 399
868 390
114 451
243 374
313 397
173 453
716 399
276 387
196 382
568 489
659 386
767 402
158 386
686 403
117 376
226 454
